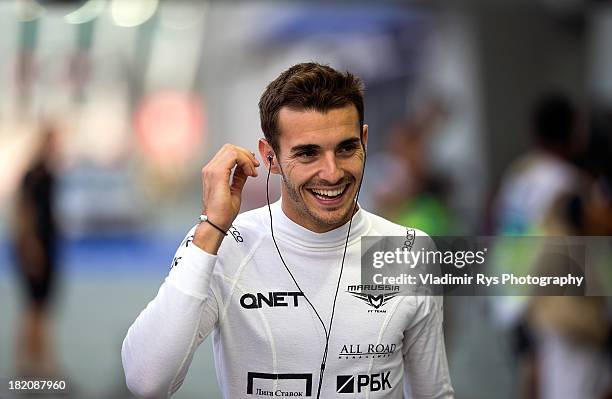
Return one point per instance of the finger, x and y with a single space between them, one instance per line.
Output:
246 164
229 156
227 160
238 181
249 154
254 158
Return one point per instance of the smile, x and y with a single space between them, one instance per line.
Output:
329 195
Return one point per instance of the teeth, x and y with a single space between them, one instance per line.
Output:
329 193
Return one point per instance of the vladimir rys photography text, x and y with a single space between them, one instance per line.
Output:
485 265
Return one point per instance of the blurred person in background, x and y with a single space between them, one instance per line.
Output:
35 248
561 341
536 179
418 196
565 350
533 183
568 337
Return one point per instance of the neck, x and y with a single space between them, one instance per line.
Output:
306 221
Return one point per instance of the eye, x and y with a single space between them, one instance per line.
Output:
347 149
306 154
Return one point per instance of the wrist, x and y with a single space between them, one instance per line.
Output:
204 219
218 219
208 238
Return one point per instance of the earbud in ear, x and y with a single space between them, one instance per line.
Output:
270 159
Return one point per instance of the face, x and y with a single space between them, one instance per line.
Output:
321 160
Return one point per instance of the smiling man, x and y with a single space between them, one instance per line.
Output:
280 286
321 166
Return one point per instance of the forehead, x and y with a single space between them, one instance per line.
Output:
314 127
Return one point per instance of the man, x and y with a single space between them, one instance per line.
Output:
285 321
535 180
35 249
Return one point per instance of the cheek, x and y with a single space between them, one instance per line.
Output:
290 170
298 174
354 166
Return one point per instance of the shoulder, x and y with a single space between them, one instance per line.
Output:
385 227
244 235
249 226
411 237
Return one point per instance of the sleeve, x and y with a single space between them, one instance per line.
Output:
159 346
425 365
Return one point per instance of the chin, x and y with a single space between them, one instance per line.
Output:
333 217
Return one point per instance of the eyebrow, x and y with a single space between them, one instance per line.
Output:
351 141
305 148
315 147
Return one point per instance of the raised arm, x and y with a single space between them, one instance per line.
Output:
160 344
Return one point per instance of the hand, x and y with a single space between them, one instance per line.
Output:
222 191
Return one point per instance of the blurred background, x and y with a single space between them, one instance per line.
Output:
486 117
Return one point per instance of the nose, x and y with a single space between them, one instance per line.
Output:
330 172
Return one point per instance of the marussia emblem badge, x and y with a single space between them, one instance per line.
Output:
375 301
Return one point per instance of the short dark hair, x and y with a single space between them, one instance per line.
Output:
553 118
308 86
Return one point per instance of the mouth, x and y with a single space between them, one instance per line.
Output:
330 196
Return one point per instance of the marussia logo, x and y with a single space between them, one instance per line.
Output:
374 300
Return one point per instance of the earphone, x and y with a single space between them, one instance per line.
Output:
327 332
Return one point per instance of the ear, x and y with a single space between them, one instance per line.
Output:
265 150
364 136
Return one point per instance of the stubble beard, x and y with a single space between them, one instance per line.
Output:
333 220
